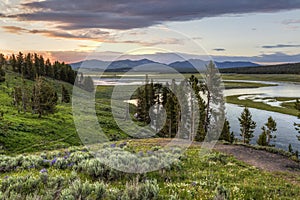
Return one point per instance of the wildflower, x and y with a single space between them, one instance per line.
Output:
194 183
43 170
150 152
70 164
53 161
113 145
141 153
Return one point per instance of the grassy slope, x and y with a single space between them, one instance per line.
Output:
24 132
195 178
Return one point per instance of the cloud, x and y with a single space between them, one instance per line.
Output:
123 15
90 34
14 29
219 49
95 35
281 46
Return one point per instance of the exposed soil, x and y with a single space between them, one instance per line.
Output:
260 159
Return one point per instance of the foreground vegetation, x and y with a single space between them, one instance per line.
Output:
73 173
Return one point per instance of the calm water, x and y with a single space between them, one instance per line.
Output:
286 133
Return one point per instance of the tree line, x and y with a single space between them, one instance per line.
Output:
41 98
2 72
33 65
290 68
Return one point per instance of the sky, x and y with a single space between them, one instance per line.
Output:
260 31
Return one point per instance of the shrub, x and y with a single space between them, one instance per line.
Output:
142 191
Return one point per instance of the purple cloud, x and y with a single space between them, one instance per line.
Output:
78 14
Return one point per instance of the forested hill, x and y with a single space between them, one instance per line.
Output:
290 68
33 65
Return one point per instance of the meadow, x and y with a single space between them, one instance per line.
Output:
73 173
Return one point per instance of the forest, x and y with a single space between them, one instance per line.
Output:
290 68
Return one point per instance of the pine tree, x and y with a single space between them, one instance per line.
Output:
271 128
88 84
147 100
25 96
247 125
20 63
17 97
30 74
197 87
36 65
48 69
44 98
13 62
2 60
42 71
157 101
290 148
140 104
297 125
226 135
262 139
65 96
2 74
215 108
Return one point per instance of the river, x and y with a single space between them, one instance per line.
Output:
285 134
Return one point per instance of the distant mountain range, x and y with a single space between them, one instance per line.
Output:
189 66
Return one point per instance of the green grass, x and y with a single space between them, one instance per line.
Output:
287 108
194 177
237 85
24 132
263 77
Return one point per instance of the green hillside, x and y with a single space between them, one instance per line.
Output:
24 132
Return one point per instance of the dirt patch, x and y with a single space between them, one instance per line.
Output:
260 159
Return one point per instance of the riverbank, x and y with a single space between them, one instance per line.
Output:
284 108
244 85
294 78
